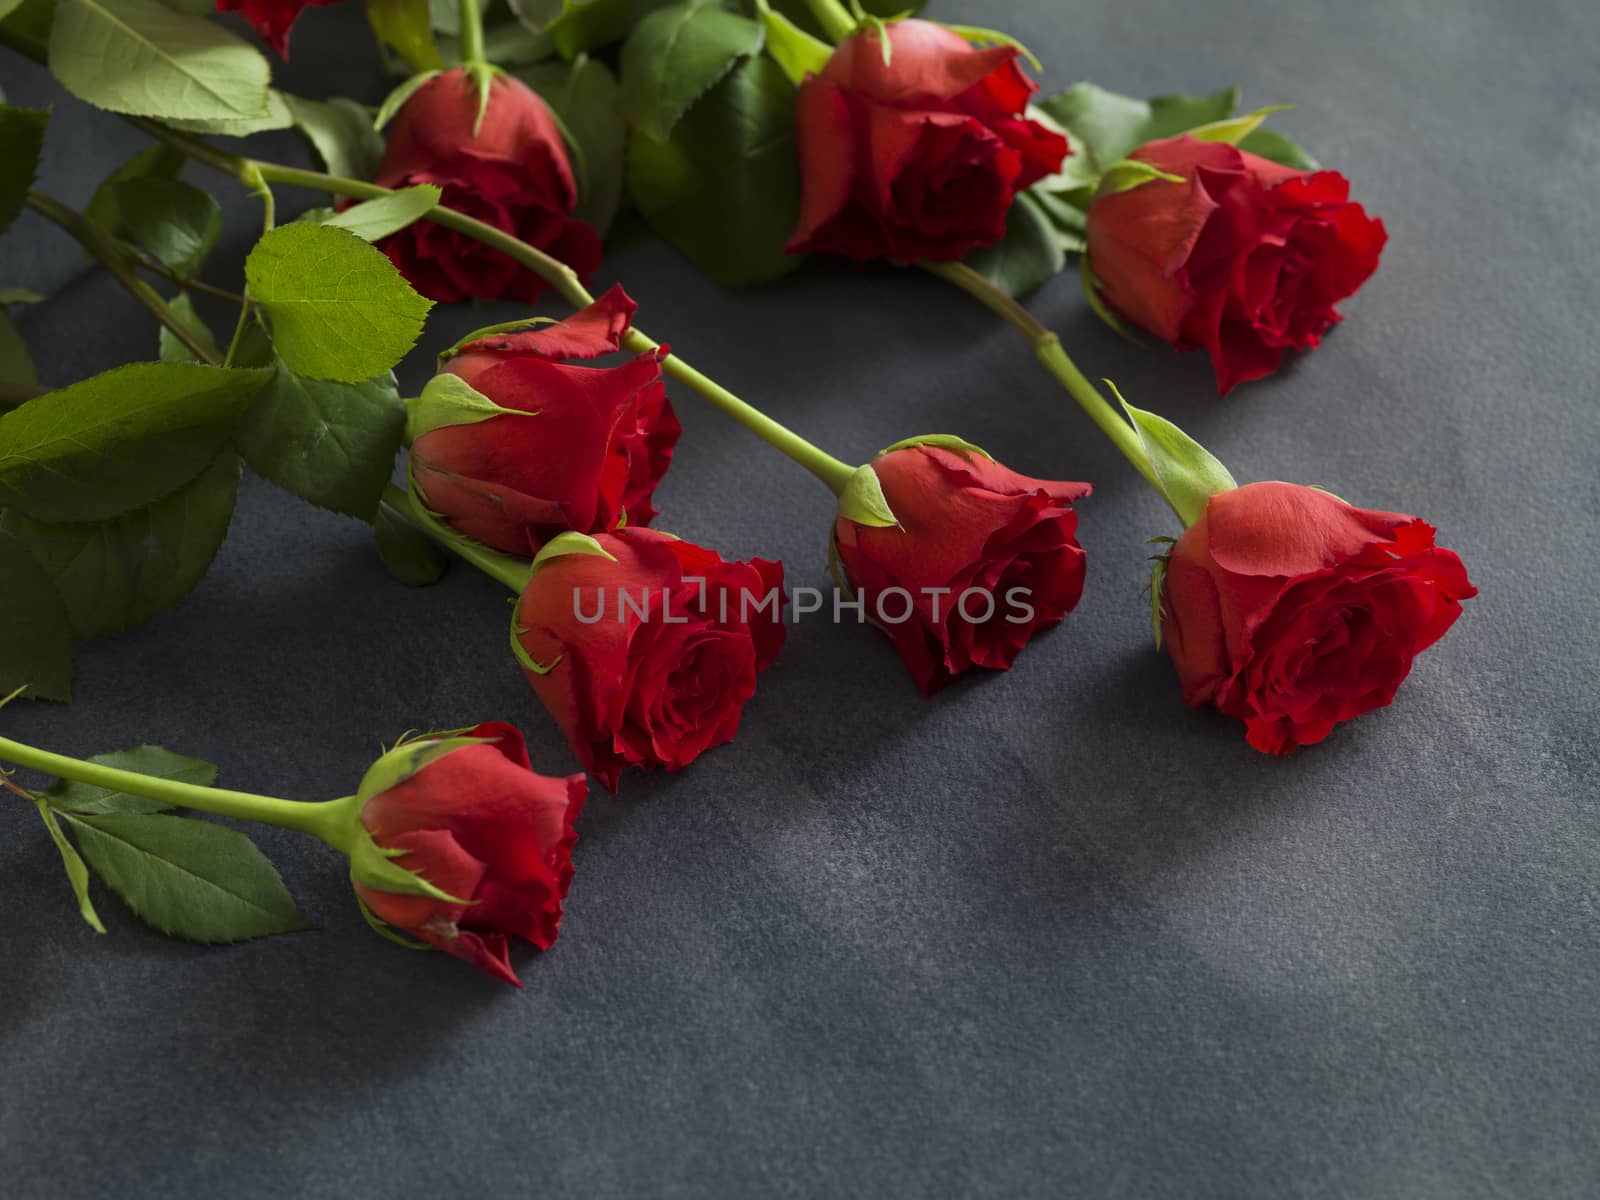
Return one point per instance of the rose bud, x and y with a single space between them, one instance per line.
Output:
1291 610
511 446
271 19
489 840
646 648
917 153
1242 256
507 166
957 558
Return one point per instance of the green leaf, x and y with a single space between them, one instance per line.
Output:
174 351
275 116
574 26
140 57
1236 129
1029 255
725 188
21 140
32 18
1273 146
176 223
565 544
6 7
87 799
1111 125
16 364
190 879
406 26
330 443
795 50
375 219
410 556
77 873
120 440
158 162
35 638
1190 475
675 55
583 95
118 573
341 132
863 501
338 307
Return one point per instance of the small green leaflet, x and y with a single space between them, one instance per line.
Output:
120 440
583 95
332 444
372 220
158 162
21 139
410 556
140 57
191 879
276 116
172 350
339 309
118 573
675 55
35 638
1190 475
176 223
341 132
86 799
77 873
725 188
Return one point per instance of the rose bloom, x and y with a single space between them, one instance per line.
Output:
578 448
1291 610
918 157
480 825
513 173
647 654
271 19
967 525
1244 257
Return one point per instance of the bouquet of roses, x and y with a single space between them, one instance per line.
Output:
749 135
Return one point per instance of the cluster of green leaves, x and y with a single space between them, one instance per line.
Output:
1046 222
185 877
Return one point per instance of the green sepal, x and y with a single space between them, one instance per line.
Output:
1128 173
396 100
374 867
1158 582
1189 473
792 48
501 566
77 871
1234 130
863 501
481 76
1091 290
527 661
979 36
567 543
487 331
944 441
450 400
383 929
405 760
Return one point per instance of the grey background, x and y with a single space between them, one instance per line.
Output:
1050 934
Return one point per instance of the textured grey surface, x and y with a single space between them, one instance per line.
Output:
1050 934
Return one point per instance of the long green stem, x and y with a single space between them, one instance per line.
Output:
103 247
834 18
471 22
329 820
1055 359
513 572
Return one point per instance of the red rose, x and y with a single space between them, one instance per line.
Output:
271 18
1293 611
576 448
646 654
918 157
512 173
983 559
1244 257
480 825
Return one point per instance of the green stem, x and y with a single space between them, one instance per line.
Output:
1048 348
834 18
513 572
100 244
471 21
330 820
